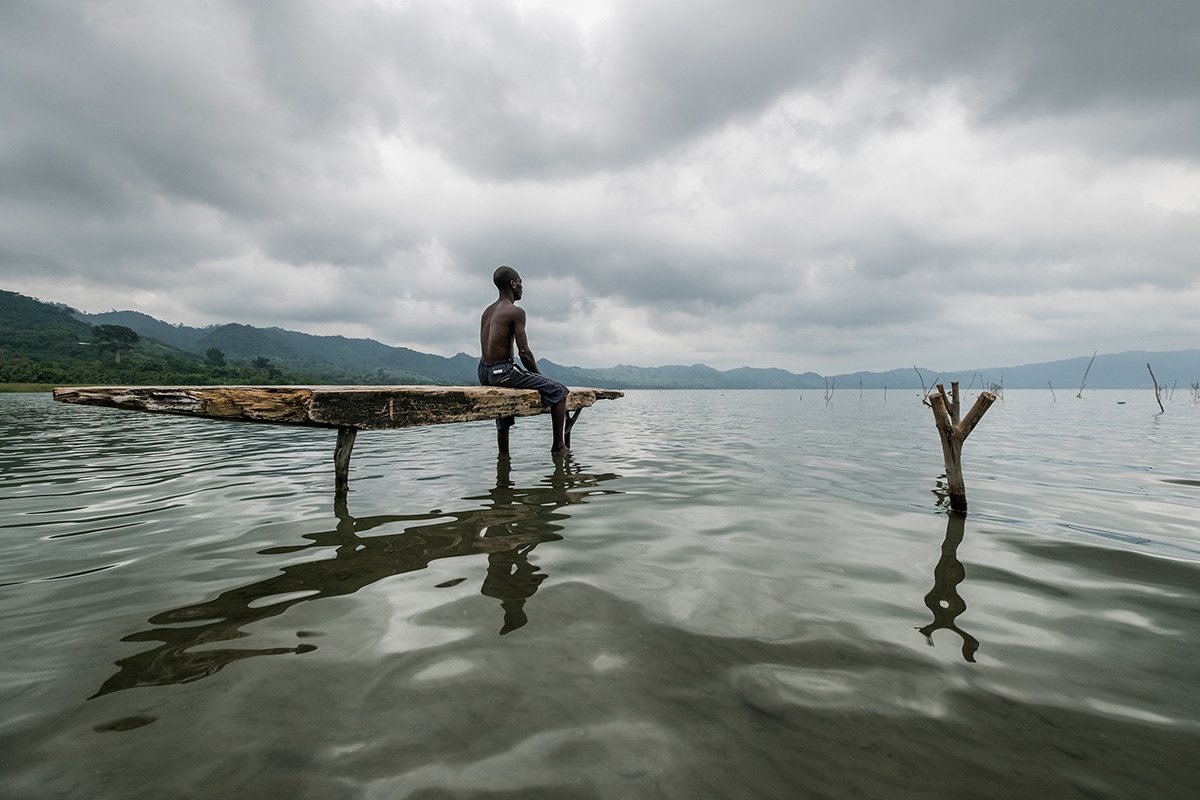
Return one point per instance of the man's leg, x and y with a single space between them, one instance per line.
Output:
558 419
554 394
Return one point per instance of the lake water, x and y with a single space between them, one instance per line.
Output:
723 594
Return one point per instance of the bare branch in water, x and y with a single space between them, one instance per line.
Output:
925 399
925 392
1085 374
1161 410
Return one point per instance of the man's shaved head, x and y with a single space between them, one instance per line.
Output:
503 275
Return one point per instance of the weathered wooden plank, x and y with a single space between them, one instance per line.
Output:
374 409
364 407
281 404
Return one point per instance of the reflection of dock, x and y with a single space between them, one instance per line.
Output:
943 599
506 530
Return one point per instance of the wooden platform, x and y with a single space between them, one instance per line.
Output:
360 407
346 408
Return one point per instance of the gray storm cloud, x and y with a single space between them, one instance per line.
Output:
824 185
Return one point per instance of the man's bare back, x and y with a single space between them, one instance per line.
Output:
497 328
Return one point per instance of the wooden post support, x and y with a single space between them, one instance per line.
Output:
571 418
341 459
953 433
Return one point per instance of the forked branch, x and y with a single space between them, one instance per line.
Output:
952 434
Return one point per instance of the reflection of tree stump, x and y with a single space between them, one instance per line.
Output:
943 599
953 433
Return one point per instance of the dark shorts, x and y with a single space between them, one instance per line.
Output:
510 376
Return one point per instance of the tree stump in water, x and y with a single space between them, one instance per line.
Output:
953 433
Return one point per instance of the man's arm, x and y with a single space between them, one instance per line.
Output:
523 350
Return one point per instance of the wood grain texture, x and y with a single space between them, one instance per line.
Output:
363 407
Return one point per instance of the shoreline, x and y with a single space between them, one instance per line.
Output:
13 388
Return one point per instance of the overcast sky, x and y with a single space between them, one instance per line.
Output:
810 185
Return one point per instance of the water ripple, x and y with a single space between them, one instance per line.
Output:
724 594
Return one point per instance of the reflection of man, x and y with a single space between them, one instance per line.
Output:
502 323
506 529
510 578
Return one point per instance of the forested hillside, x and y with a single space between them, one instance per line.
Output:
366 360
42 344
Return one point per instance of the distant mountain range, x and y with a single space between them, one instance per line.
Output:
291 348
296 355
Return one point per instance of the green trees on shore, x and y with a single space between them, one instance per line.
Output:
42 343
114 338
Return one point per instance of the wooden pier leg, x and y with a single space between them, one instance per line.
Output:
570 424
341 459
502 441
953 433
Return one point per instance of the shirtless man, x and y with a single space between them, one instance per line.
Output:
503 322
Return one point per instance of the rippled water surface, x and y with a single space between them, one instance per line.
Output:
723 594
